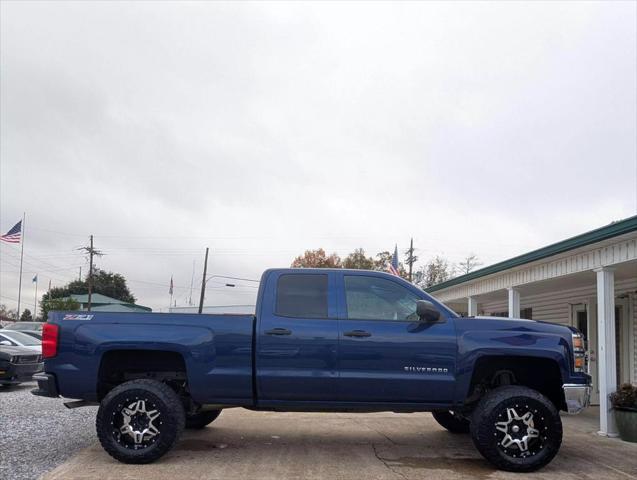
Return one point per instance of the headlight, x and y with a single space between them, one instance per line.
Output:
579 353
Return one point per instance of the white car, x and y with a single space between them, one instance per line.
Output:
19 339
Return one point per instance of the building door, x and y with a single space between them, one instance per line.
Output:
584 322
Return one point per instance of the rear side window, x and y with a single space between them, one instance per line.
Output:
302 296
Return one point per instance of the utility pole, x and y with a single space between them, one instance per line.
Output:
203 282
90 275
91 253
411 258
80 277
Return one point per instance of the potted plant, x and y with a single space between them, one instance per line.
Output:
624 402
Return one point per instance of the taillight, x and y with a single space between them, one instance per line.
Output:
49 340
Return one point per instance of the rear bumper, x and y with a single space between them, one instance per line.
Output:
577 397
47 385
14 373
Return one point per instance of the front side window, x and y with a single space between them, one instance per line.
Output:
302 296
373 298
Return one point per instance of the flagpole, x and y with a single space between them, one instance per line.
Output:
21 257
35 311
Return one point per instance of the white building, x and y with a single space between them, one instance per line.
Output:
588 281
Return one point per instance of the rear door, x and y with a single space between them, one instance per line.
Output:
386 354
297 337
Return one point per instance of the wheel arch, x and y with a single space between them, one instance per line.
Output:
541 373
119 365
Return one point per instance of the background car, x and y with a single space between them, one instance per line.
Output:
18 364
35 326
20 339
32 333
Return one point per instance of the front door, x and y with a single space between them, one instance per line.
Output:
385 353
583 321
297 339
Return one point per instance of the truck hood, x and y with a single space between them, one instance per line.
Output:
512 324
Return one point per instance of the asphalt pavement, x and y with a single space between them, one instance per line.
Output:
37 434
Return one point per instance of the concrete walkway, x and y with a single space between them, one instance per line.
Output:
262 445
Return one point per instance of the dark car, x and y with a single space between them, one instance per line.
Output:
34 326
18 364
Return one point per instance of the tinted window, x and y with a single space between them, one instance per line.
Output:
373 298
302 295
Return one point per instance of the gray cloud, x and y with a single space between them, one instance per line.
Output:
262 129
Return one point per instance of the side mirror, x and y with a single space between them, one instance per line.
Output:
5 343
426 311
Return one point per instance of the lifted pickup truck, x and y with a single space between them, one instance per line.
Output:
321 340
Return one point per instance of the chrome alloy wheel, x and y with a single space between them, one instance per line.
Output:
520 432
136 428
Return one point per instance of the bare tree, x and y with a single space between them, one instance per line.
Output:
435 271
471 262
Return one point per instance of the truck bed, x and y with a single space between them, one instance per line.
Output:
217 350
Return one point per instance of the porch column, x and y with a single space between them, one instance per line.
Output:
606 357
514 302
472 306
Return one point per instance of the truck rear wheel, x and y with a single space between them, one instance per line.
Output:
201 419
516 429
452 422
139 421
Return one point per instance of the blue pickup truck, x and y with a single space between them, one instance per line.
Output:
320 340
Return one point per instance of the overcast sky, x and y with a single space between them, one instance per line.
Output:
264 129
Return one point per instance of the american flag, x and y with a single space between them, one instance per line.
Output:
393 266
13 235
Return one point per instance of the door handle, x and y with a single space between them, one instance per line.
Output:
357 334
278 331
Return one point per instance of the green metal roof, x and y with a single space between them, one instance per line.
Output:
614 229
97 299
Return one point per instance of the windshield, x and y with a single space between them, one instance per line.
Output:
21 338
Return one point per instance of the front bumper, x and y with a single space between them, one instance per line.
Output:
577 397
14 373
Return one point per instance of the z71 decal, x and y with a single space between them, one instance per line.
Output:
77 317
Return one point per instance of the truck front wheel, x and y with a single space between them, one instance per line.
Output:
201 419
139 421
452 422
516 429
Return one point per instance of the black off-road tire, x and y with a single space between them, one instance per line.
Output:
161 397
451 421
492 409
201 419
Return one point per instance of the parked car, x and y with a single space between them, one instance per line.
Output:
20 339
321 340
37 326
33 334
18 364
